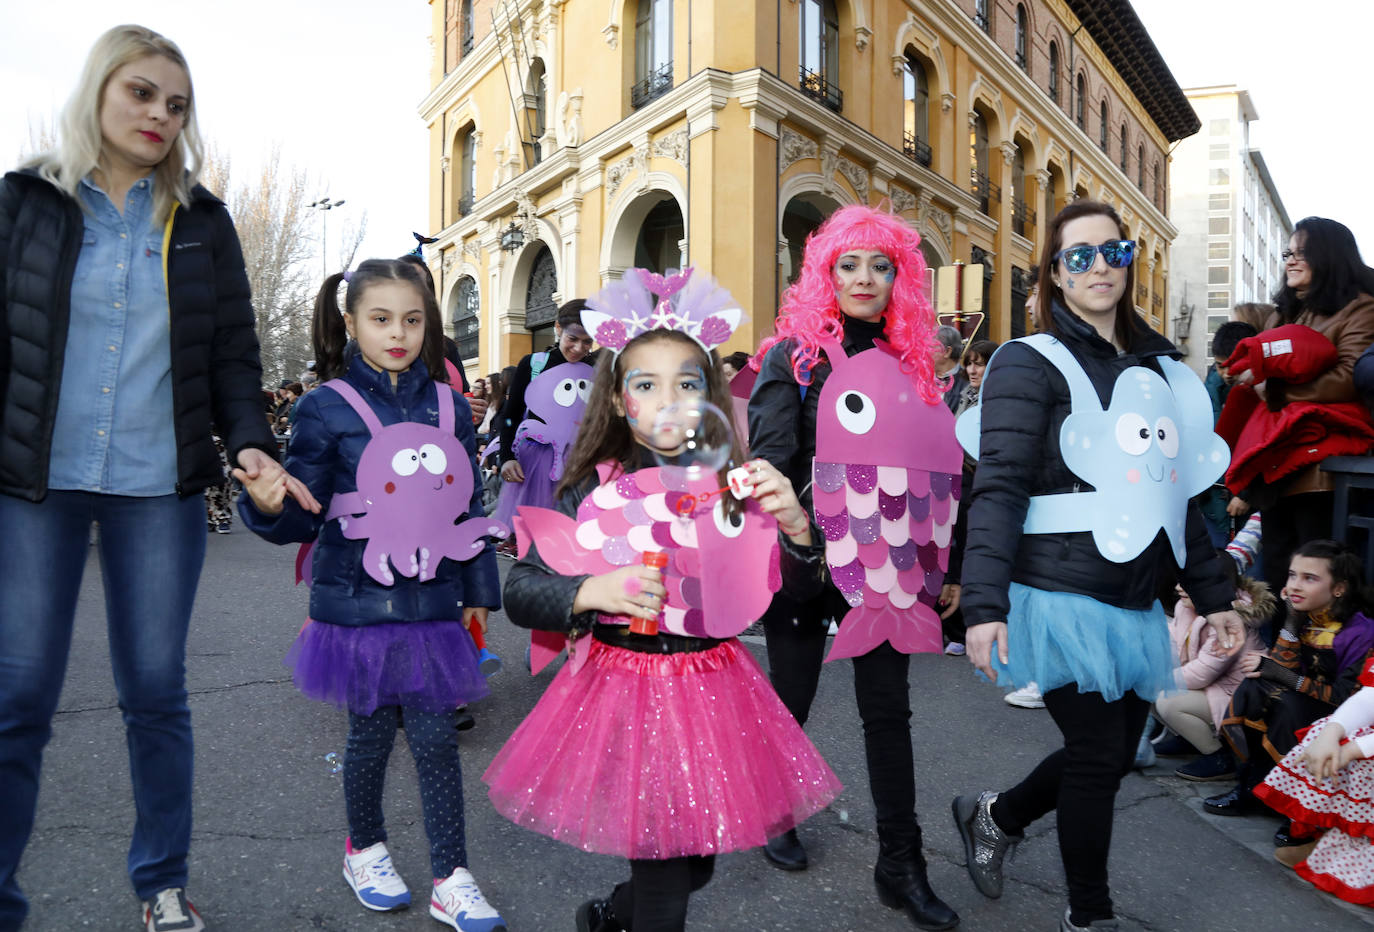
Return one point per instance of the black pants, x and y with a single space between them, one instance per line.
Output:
796 638
1285 525
654 899
1080 781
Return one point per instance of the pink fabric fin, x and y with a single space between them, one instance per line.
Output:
544 647
911 631
304 564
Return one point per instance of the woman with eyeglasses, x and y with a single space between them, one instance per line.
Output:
1050 606
1294 400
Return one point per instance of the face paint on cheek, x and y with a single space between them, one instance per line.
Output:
1068 283
631 406
890 275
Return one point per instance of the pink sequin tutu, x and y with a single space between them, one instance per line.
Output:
430 665
653 756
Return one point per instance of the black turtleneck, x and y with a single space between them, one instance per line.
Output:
860 334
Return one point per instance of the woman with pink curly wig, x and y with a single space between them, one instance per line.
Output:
863 279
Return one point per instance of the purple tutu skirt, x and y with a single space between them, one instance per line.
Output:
536 459
654 756
429 665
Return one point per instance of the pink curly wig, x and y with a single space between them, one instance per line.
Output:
809 309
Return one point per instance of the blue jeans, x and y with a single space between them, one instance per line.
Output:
433 739
151 552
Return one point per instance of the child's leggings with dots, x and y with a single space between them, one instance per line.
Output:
433 739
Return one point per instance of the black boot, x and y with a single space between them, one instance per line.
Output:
597 916
900 877
786 851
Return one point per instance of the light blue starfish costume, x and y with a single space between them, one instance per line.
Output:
1145 456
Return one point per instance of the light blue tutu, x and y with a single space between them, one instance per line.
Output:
1058 638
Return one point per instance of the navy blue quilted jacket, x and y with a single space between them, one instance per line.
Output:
327 440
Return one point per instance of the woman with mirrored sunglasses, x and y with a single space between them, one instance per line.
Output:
1088 629
1300 376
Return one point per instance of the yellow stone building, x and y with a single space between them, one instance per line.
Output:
572 139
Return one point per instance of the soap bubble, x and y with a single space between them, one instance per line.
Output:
691 440
335 763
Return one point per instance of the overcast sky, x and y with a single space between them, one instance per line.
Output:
336 84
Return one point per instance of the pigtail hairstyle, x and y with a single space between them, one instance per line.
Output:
1346 568
330 336
605 434
1126 325
810 311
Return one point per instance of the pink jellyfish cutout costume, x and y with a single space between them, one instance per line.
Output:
886 489
413 486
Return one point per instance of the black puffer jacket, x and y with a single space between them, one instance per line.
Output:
216 372
1025 401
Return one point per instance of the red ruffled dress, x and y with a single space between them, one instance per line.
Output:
1342 807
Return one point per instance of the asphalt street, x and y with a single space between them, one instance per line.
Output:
269 819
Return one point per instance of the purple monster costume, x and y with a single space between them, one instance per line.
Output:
556 399
413 485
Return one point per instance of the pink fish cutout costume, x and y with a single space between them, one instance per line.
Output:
886 489
414 483
559 397
722 571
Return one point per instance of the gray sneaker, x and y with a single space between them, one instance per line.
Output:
985 844
1101 925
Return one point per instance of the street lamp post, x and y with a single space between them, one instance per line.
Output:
324 204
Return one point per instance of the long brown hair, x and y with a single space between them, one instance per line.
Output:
1125 328
330 336
606 435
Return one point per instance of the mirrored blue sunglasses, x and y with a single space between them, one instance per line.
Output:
1078 259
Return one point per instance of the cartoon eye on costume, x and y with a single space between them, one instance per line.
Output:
1133 434
405 462
584 389
1167 435
856 412
433 459
565 394
729 525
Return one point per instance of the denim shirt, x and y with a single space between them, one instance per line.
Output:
114 432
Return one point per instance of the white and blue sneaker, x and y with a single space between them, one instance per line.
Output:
457 902
372 877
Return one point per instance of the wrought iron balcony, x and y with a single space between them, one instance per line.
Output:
816 86
465 205
652 86
467 44
916 148
983 19
1022 217
983 189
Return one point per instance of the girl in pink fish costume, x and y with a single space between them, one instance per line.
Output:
398 570
659 740
846 396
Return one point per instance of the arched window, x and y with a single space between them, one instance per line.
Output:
1022 217
916 111
1123 148
467 317
1022 37
819 38
982 15
1080 113
653 51
1051 194
1140 168
467 170
1102 127
537 89
1054 72
540 307
467 26
981 184
1159 188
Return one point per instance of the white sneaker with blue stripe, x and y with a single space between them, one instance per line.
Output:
372 877
457 902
